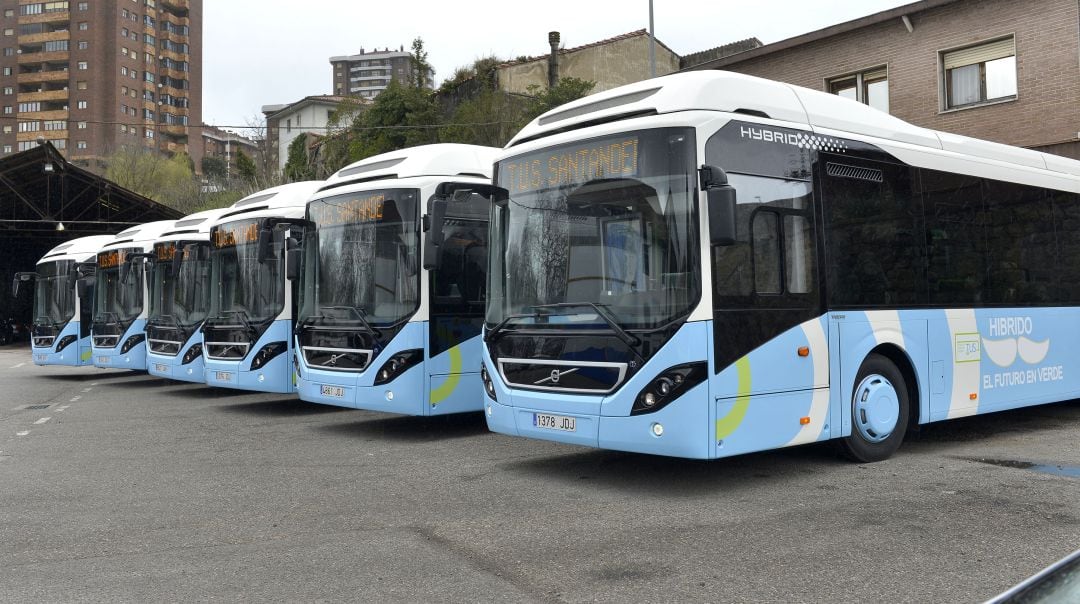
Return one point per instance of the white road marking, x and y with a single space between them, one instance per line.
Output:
17 366
23 433
75 399
87 389
42 420
62 408
93 383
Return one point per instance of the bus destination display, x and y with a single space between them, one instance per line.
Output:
578 164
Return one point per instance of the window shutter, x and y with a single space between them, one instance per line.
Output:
980 54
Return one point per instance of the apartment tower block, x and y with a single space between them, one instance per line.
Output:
93 76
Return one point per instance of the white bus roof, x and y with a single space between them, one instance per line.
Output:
79 250
193 226
284 201
443 159
143 234
740 93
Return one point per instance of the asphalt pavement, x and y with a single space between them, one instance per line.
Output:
120 486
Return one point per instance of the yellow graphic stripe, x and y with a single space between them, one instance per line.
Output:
726 426
86 355
444 390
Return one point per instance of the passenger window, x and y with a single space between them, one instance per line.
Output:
766 253
774 248
798 254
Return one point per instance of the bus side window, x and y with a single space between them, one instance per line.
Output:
774 249
766 253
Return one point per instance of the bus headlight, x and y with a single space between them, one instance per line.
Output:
132 342
65 341
266 353
397 365
192 353
668 386
489 386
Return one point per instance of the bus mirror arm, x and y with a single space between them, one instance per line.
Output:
266 241
433 238
81 287
293 259
721 202
21 278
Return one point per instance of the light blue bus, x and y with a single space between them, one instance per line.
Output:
383 326
709 264
120 291
247 337
180 298
62 310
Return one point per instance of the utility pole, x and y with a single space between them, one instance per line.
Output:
652 43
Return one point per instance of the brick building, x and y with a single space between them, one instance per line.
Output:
227 146
91 76
1000 70
367 74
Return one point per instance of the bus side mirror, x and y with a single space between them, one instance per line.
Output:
177 259
294 257
433 236
81 288
125 271
266 244
21 278
721 202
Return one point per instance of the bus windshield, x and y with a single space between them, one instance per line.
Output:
364 258
242 285
54 295
598 231
116 300
179 299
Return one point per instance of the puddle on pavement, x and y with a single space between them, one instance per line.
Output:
1044 468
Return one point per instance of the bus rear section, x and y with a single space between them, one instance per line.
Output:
180 299
120 293
702 284
247 336
62 308
391 315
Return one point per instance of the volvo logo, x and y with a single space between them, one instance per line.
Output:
555 376
332 361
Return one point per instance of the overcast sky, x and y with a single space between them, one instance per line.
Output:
262 52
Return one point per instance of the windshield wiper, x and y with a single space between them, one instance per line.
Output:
601 312
107 318
493 333
360 315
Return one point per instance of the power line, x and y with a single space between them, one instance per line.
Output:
328 129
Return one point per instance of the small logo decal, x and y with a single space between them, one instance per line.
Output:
555 376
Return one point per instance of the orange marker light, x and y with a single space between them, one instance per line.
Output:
973 396
805 421
804 351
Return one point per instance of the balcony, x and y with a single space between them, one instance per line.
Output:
43 76
61 56
57 17
41 38
178 8
175 56
45 95
59 114
33 136
173 129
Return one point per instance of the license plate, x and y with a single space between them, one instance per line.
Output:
103 360
161 368
561 423
223 376
334 391
42 357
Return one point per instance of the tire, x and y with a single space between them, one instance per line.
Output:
880 410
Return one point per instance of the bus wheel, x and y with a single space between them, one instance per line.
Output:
879 411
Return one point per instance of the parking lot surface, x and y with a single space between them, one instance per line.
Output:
119 486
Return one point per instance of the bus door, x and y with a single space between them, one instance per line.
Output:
457 290
769 371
